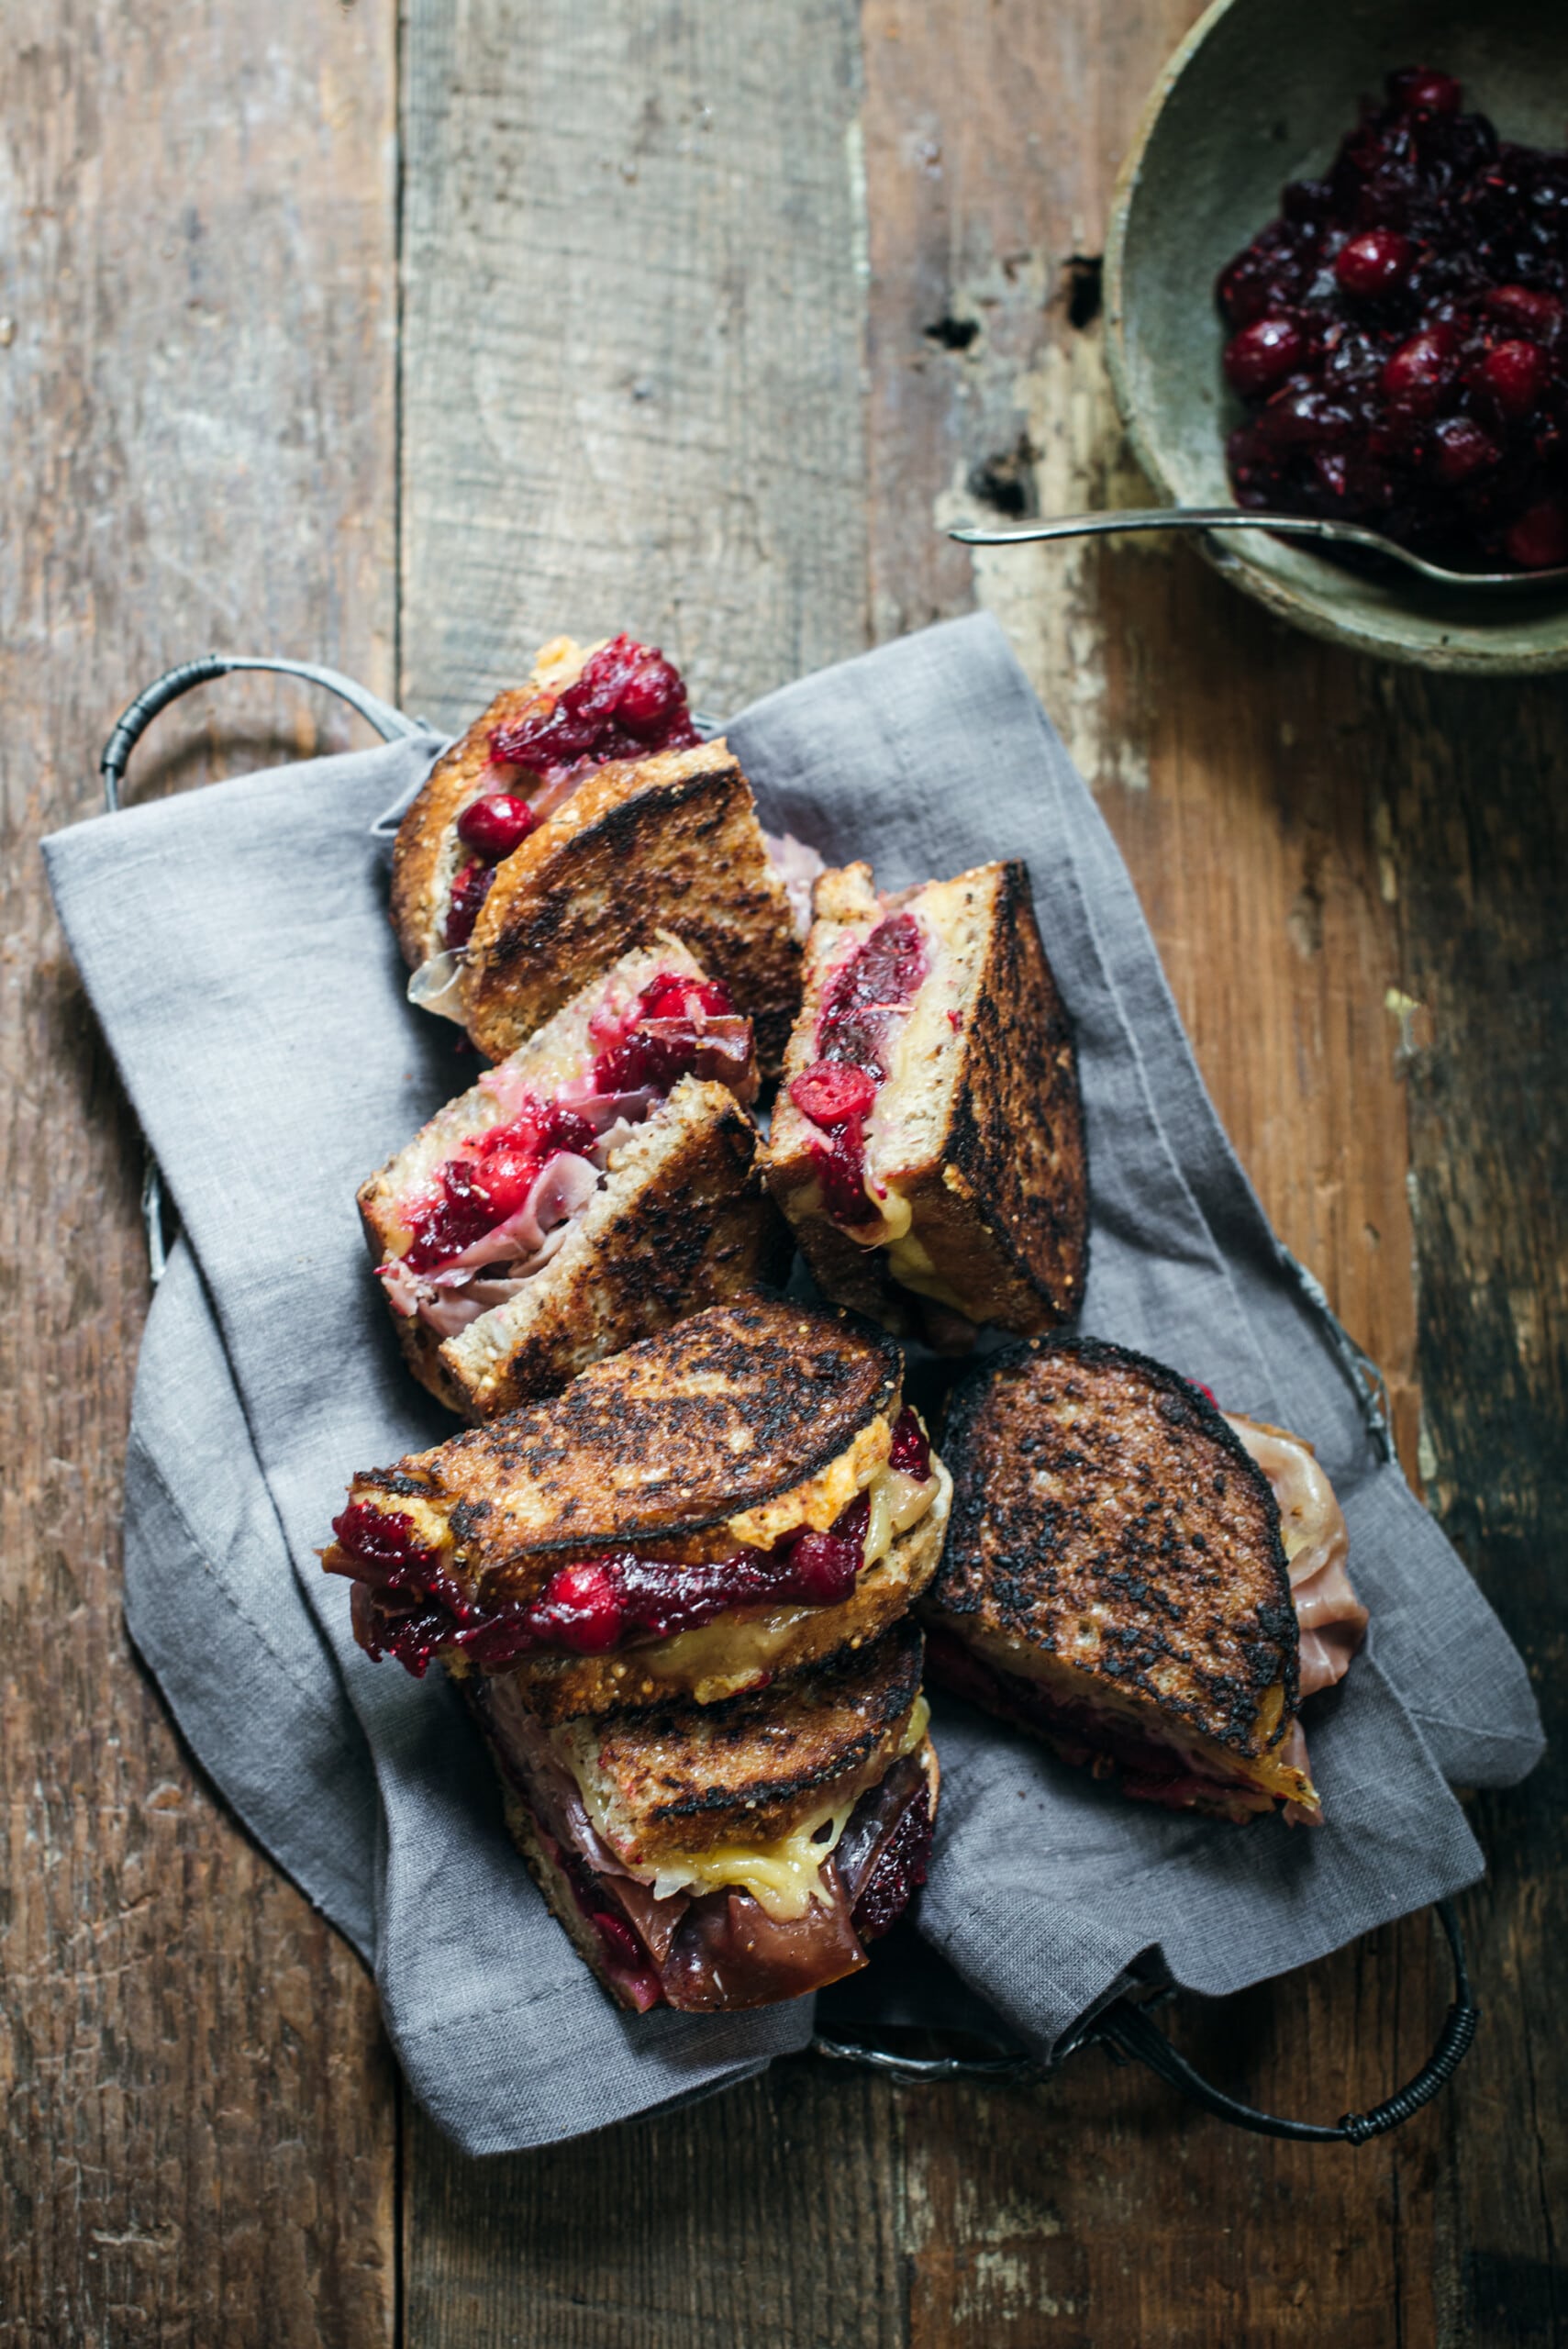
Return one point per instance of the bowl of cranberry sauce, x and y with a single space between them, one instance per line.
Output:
1337 286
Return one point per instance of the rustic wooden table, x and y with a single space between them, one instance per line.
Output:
702 318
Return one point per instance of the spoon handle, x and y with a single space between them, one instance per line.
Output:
1161 517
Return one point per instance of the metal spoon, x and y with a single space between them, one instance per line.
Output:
1231 517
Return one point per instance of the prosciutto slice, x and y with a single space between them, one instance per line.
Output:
797 867
1317 1546
718 1950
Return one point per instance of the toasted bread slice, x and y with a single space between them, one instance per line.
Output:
729 1431
751 1648
1114 1567
668 1786
975 1178
558 1052
669 842
428 853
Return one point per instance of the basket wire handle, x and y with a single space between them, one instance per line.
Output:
132 724
1127 2031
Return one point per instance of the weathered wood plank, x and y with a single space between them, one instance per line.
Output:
632 340
1249 776
633 395
1469 798
197 222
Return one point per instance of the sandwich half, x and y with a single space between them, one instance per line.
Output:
596 1186
927 1145
578 816
723 1858
521 759
1115 1579
721 1504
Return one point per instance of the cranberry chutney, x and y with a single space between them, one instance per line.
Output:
1400 336
405 1603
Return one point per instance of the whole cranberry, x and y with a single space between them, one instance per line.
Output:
671 997
583 1609
651 696
910 1452
1525 309
1264 354
1515 373
1420 91
1539 540
1373 262
493 826
830 1094
1462 449
1418 372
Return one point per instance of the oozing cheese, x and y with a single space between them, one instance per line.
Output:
720 1659
785 1876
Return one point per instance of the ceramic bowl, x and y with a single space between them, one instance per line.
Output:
1261 92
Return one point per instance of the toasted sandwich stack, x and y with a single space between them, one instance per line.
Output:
676 1597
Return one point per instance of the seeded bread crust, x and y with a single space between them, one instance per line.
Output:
737 1425
682 1221
1000 1193
1107 1519
686 1779
669 842
560 1688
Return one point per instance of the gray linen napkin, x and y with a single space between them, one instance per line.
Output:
235 947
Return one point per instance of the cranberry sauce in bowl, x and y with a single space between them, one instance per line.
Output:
496 1208
1258 98
1400 335
862 1005
626 702
408 1604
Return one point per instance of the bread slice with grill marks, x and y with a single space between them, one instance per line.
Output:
975 1159
729 1431
669 842
684 1779
1115 1578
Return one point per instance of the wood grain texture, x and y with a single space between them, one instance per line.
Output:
632 340
196 223
1468 800
712 317
1309 899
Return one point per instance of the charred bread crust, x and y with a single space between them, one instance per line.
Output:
559 1687
693 1776
740 1405
419 857
668 843
1004 1211
1000 1205
1010 1567
683 1222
